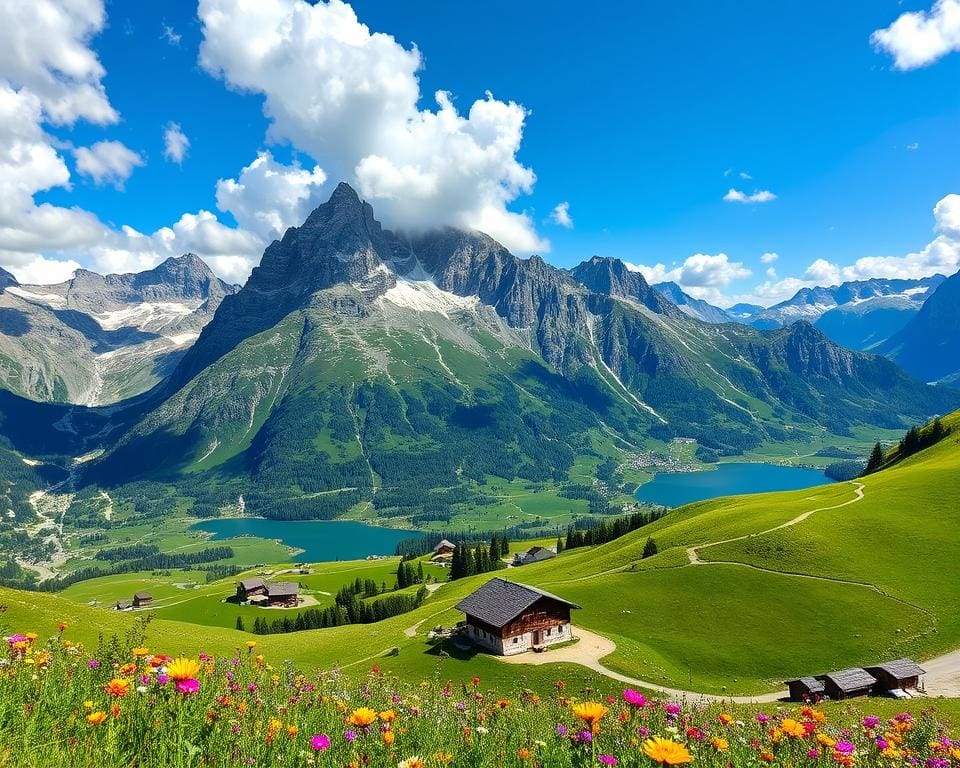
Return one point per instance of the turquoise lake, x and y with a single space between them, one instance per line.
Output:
673 489
322 541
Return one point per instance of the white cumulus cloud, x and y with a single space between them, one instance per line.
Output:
919 38
175 143
758 196
769 257
107 162
561 215
702 275
349 96
268 196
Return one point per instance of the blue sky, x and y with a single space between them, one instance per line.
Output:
640 117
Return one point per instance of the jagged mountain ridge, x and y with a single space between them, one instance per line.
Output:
97 339
357 361
859 314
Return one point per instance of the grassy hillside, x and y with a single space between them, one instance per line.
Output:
846 580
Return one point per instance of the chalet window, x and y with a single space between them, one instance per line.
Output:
516 640
548 631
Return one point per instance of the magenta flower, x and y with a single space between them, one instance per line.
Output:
671 709
882 743
350 736
813 754
844 747
634 698
561 729
162 679
93 663
188 687
320 742
607 759
763 718
13 639
871 721
586 737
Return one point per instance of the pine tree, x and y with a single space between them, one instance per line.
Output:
875 461
420 572
240 626
560 544
650 548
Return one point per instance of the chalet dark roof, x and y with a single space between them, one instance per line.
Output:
810 683
499 601
283 589
851 679
142 596
901 669
248 584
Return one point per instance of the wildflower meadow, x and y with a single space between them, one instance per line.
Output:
125 704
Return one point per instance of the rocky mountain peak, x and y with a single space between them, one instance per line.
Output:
6 279
614 278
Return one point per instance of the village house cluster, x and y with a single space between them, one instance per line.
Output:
899 678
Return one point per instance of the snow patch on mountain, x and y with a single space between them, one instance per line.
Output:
425 296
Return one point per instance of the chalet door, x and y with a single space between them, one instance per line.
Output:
537 636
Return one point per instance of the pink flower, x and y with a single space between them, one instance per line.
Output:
320 742
871 721
188 687
607 759
634 698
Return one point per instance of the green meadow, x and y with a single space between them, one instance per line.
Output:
855 581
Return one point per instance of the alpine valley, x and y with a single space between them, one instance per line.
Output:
421 380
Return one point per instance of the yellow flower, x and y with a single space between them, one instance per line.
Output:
388 737
591 712
955 754
31 636
822 738
725 718
443 758
118 687
140 652
95 718
362 717
292 731
88 704
388 716
720 744
251 644
183 669
793 728
666 752
411 762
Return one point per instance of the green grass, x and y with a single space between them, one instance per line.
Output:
762 609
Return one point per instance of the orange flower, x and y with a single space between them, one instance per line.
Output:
388 737
362 717
591 712
115 711
818 716
118 687
720 744
502 703
95 718
523 753
793 728
767 756
725 719
388 716
666 752
127 670
292 731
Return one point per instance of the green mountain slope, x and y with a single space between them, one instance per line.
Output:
818 579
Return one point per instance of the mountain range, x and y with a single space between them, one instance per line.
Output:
362 366
98 339
860 314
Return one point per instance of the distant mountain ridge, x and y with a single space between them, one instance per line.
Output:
928 347
698 308
97 339
859 314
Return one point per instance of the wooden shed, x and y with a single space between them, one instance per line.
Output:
508 618
533 555
847 683
900 674
250 588
805 689
142 599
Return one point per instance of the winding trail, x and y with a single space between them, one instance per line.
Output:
693 552
943 672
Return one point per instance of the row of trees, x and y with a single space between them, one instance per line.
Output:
349 608
608 530
915 440
482 558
